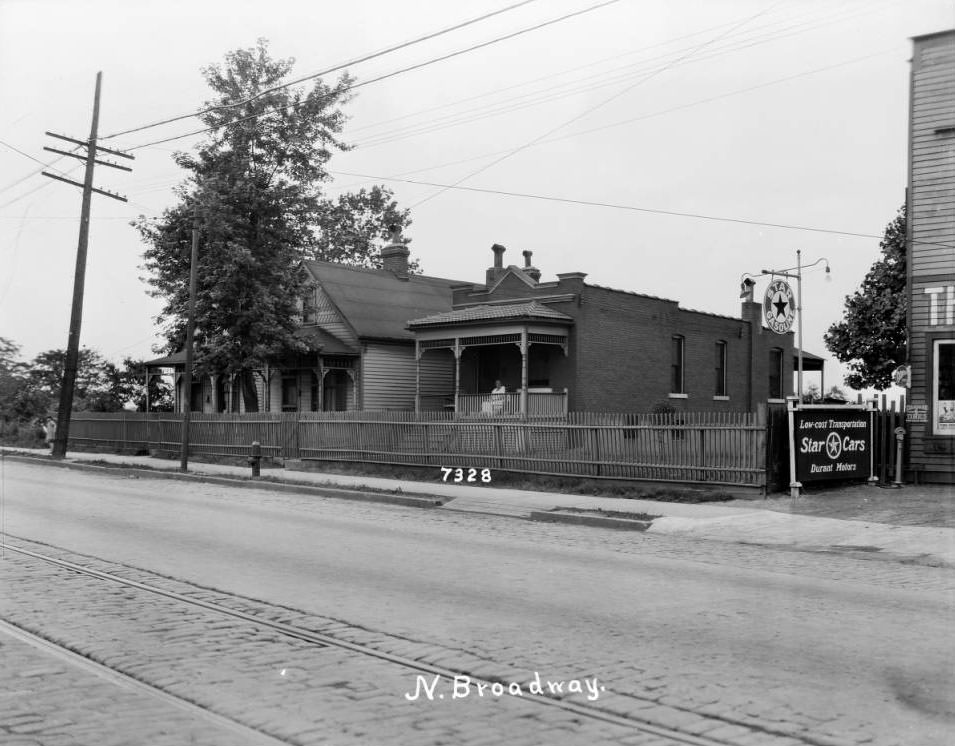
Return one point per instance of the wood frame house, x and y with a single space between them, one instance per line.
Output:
931 259
363 354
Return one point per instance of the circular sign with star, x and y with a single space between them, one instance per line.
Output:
779 306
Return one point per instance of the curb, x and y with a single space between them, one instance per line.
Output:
586 519
413 501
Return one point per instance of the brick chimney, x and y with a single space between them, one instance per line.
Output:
498 269
394 256
529 269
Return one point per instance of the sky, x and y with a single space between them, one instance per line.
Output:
769 127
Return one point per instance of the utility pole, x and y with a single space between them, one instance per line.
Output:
190 333
79 280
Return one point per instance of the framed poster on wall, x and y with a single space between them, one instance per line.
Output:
943 387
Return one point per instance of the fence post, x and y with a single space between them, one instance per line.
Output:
499 444
596 433
703 476
760 445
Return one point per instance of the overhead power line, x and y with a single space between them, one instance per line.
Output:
612 205
758 35
652 114
386 76
336 68
519 103
599 105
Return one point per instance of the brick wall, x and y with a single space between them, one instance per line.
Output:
620 348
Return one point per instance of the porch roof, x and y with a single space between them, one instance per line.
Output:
324 343
810 362
529 311
170 361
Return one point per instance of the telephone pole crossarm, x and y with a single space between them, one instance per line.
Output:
104 192
83 158
85 144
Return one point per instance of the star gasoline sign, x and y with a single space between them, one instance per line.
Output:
779 308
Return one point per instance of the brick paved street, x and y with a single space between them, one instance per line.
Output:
706 636
295 691
48 701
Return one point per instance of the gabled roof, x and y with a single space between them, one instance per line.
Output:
376 303
324 342
528 310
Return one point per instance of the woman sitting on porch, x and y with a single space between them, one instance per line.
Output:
496 404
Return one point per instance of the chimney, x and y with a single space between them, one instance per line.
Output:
498 269
394 256
529 269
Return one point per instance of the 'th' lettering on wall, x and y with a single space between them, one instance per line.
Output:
941 303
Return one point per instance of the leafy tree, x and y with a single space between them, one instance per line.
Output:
98 385
132 378
12 372
871 338
255 185
350 226
811 395
837 393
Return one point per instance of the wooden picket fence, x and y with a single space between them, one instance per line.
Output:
698 448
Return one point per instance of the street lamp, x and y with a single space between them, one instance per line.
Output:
788 272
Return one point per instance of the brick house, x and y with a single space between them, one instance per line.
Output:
569 345
388 339
931 258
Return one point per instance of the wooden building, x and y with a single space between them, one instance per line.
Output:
354 320
931 258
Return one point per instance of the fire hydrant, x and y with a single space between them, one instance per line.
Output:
899 437
255 460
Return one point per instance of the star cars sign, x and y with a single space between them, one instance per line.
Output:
832 443
779 307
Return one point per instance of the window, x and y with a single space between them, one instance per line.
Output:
676 366
776 373
943 387
309 310
720 389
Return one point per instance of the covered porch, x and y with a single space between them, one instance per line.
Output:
523 346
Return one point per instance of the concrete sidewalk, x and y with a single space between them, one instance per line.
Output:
846 520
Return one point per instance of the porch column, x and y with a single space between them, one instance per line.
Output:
457 373
524 371
417 377
214 379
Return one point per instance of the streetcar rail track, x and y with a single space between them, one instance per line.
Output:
325 640
128 682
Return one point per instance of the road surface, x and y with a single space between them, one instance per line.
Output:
816 648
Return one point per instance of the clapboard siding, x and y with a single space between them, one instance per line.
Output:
932 232
388 376
436 369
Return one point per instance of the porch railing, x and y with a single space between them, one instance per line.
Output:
539 404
